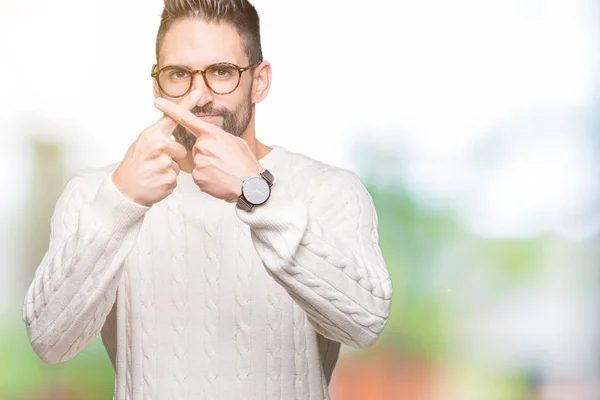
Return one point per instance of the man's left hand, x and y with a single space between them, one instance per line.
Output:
221 161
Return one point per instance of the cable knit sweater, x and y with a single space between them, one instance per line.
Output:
196 299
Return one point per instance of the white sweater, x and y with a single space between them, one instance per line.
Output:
196 299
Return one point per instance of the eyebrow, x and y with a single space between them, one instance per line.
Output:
179 65
192 68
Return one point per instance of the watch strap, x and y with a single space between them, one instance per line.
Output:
243 204
268 177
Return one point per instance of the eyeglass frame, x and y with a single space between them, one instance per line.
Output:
154 74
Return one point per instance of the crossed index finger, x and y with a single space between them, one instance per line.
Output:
165 125
184 117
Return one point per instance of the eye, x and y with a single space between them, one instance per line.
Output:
178 74
222 72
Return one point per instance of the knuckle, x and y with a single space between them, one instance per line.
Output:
155 154
142 142
160 146
202 162
163 163
147 136
198 146
170 180
144 134
196 175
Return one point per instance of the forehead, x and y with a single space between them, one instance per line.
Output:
197 43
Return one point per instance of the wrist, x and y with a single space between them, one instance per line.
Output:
115 180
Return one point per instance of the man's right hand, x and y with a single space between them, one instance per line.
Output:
148 173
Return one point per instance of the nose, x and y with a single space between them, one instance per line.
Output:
198 83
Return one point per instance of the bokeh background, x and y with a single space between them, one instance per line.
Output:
475 125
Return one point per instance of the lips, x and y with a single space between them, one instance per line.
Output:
207 116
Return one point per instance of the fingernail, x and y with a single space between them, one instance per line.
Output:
195 93
159 101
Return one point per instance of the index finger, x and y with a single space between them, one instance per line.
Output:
166 124
184 117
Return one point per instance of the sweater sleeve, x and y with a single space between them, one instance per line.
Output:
325 252
93 229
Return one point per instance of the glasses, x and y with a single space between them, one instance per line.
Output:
176 81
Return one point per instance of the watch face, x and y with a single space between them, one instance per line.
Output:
256 190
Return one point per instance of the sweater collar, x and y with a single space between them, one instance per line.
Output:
272 158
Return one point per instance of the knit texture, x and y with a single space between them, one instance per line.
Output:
196 299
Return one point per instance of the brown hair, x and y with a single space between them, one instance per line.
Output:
238 13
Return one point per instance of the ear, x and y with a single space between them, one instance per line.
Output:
262 82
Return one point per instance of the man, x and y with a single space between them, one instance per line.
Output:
214 266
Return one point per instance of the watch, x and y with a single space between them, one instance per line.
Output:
256 190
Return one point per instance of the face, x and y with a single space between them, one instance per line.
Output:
196 45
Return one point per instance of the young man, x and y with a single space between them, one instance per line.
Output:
214 266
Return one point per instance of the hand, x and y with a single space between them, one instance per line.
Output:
148 173
221 161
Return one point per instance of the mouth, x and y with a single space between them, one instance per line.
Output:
207 117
